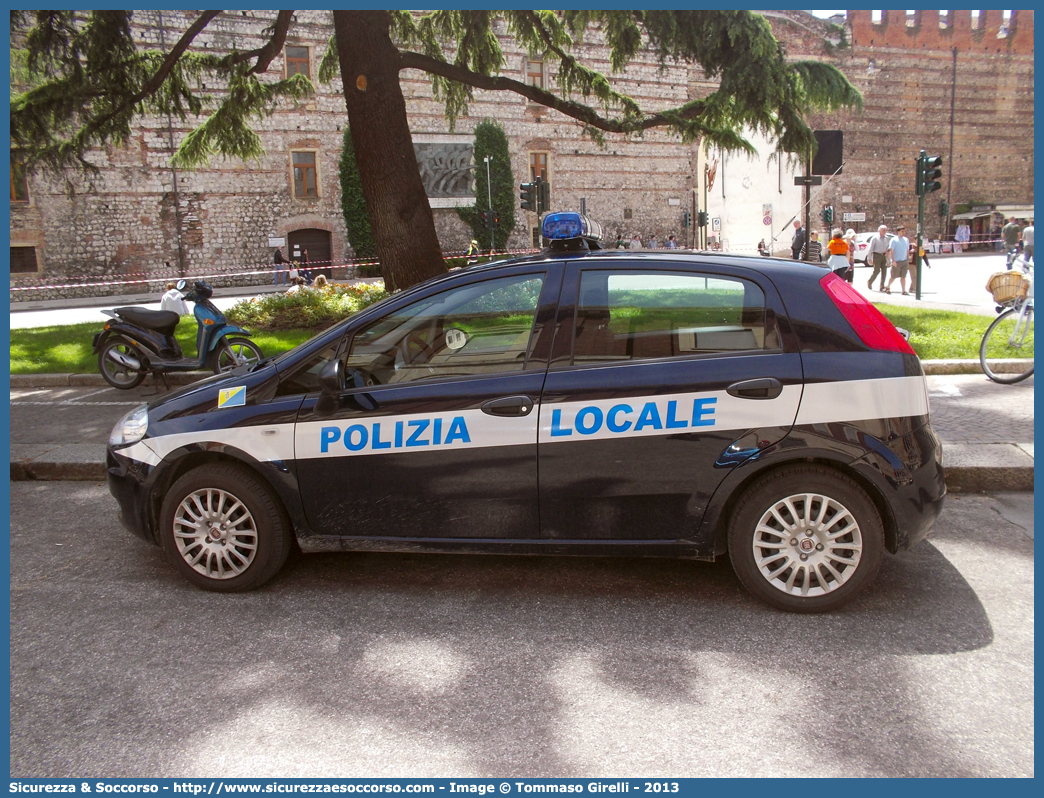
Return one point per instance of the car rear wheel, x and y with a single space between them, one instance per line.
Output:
223 529
806 539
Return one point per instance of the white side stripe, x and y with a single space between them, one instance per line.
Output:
264 443
667 414
635 416
856 400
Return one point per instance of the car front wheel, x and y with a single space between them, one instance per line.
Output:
807 539
223 529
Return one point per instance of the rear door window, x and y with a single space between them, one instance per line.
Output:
643 315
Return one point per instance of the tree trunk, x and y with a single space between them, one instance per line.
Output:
400 216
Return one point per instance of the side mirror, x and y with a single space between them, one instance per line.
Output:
331 377
181 285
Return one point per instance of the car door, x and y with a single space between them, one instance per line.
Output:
662 378
435 433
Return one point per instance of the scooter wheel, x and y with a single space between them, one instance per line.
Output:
117 374
233 352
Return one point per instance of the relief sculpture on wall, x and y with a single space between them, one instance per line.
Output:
445 169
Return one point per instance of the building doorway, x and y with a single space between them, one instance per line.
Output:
317 243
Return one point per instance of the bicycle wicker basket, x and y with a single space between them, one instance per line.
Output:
1007 286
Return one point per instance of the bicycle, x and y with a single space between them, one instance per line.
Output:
1006 351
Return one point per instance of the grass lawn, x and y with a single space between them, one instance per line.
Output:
934 334
941 334
67 350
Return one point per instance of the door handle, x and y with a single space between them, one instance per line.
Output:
762 388
509 406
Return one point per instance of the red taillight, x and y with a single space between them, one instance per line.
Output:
869 323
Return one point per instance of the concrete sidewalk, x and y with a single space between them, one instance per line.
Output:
60 424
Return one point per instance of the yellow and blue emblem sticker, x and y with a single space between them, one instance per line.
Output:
232 397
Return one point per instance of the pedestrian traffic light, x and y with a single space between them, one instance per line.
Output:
686 219
928 173
529 196
543 195
702 219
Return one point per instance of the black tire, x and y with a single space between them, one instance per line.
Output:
252 550
116 374
832 573
997 344
231 351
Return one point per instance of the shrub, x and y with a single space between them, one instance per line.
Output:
309 309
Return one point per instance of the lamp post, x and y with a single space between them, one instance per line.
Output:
489 196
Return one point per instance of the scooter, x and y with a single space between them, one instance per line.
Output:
137 342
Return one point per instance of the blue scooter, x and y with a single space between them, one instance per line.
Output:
138 341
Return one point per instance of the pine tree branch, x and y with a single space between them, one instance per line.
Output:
266 54
579 111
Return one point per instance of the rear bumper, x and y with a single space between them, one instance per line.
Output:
909 469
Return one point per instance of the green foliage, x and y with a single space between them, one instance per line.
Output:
759 88
353 204
308 309
85 81
490 140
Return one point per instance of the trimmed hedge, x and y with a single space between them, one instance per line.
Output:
308 309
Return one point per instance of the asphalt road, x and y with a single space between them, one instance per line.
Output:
410 665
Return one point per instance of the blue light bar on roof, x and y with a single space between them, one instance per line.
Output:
569 224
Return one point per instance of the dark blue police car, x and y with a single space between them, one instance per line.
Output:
573 402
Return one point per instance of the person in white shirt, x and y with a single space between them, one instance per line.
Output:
1027 241
174 301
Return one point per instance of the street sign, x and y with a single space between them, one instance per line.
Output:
274 241
808 180
855 217
767 220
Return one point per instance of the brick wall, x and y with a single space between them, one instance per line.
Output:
128 222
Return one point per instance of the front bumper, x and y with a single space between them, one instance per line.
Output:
129 482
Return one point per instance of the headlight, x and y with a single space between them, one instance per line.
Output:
131 428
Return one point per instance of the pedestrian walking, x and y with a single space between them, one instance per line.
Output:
472 253
1027 242
797 243
653 243
838 248
305 269
899 252
279 268
813 249
620 243
878 253
636 242
174 301
1011 234
671 243
763 249
850 239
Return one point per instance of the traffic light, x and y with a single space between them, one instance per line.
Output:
702 219
543 195
494 219
827 215
686 219
529 196
485 219
929 170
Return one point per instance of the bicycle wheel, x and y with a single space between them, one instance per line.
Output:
1006 352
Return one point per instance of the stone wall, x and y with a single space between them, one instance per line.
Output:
142 219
